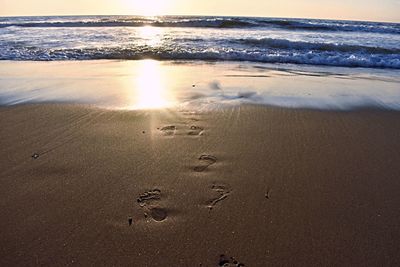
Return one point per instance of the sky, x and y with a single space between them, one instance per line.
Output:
371 10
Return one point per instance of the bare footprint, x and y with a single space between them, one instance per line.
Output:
149 196
169 130
148 202
195 130
229 261
223 192
158 214
206 161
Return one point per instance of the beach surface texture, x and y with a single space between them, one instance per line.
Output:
259 185
199 141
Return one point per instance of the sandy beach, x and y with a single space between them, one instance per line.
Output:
169 133
262 186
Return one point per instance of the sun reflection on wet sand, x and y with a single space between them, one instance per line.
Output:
149 87
151 84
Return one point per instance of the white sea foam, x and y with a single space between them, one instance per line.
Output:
295 41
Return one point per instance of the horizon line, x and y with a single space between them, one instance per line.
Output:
169 15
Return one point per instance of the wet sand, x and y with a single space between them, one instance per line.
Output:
138 84
262 186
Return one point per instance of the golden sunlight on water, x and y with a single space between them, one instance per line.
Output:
149 87
151 35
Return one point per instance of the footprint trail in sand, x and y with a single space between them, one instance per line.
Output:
225 261
206 161
148 201
169 130
195 130
223 192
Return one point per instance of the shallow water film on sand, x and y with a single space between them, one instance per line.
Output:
148 84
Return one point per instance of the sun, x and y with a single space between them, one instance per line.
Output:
147 7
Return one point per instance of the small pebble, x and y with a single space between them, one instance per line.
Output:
35 156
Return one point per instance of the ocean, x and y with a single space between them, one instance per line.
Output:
268 40
128 62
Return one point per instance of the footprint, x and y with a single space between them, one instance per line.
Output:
148 202
158 214
223 192
229 261
206 161
195 130
149 196
168 130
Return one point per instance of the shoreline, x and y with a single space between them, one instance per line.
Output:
264 185
146 84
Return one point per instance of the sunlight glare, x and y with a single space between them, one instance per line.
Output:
151 92
151 35
146 7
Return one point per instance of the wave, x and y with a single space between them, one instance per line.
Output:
334 26
190 23
308 46
207 22
328 58
255 40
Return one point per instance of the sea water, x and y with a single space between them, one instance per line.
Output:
271 40
131 61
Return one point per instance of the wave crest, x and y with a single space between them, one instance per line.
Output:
308 46
328 58
209 22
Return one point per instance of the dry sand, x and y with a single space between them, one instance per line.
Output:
267 186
